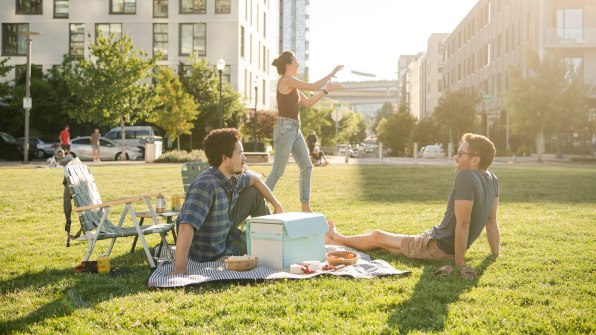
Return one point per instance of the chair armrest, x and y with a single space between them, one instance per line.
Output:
116 202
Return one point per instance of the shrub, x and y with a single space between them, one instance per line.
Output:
181 156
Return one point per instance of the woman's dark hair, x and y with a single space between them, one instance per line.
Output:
220 142
482 147
280 62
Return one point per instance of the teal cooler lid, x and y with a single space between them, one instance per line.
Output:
296 224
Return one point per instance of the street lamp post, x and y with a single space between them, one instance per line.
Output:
255 83
27 103
221 64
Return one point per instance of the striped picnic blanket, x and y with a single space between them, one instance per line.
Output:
199 273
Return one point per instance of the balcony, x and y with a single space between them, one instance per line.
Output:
571 38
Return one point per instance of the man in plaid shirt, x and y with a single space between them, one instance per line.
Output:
217 202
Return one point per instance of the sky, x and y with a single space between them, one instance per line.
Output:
369 36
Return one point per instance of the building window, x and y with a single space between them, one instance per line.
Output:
21 73
574 68
160 40
223 6
242 44
193 38
123 6
76 40
570 24
108 29
193 6
13 43
61 9
226 74
160 8
29 6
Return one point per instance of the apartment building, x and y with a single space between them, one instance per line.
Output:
496 34
430 72
294 29
244 33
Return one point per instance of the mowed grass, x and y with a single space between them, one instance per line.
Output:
543 282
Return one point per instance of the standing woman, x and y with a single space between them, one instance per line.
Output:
287 137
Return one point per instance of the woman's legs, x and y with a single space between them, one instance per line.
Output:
302 159
283 140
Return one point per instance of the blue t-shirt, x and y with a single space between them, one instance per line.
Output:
482 187
207 208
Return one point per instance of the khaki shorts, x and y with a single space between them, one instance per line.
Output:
422 246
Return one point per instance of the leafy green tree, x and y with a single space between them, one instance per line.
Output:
317 118
113 86
549 101
384 113
394 131
202 82
456 113
425 132
4 86
176 109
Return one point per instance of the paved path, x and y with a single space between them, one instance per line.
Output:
548 160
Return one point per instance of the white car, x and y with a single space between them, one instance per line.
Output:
108 150
44 149
432 151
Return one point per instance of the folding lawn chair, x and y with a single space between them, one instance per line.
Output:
93 214
190 171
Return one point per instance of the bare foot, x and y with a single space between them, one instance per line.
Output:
330 234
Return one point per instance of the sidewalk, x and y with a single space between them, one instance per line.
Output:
548 160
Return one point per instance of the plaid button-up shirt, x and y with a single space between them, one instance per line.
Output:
207 208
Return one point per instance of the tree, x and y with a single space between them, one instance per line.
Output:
265 124
385 112
548 102
113 86
394 131
317 118
456 113
426 131
176 109
202 82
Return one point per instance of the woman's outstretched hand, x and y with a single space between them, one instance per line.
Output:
337 69
333 87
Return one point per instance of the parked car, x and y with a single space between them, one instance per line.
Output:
134 135
108 150
41 149
9 148
341 150
432 151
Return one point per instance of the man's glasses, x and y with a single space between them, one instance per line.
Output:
459 153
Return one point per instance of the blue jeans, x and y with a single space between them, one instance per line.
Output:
287 138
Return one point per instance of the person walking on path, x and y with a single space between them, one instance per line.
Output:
287 137
218 201
95 144
471 207
65 139
311 141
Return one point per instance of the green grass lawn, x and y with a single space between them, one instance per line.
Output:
544 282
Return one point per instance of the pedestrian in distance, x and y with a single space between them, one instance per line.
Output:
218 201
318 157
311 141
65 139
287 136
95 144
472 206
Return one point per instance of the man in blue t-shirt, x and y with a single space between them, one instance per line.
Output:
217 202
471 207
